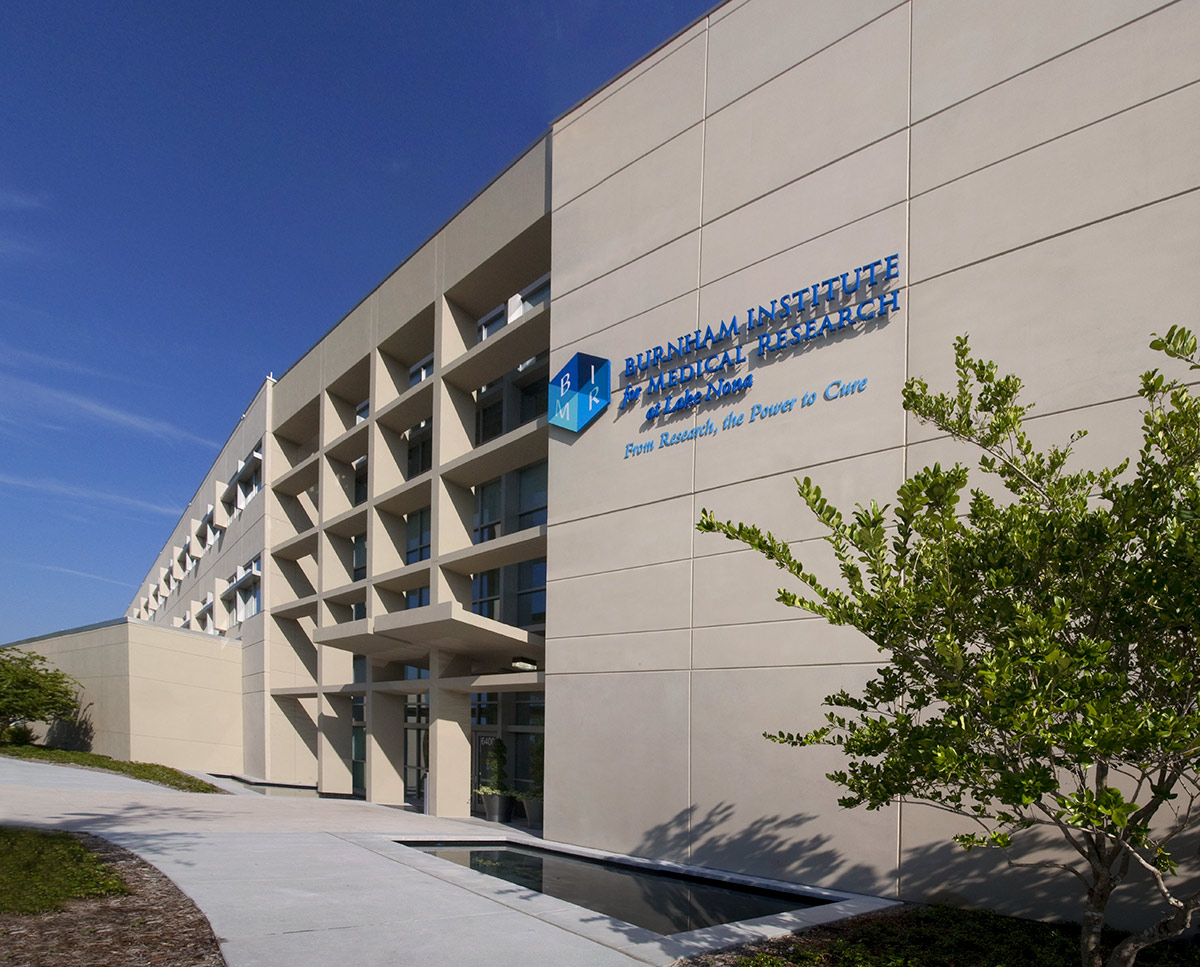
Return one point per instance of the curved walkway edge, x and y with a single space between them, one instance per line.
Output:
309 882
303 882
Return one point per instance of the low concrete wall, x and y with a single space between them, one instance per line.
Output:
155 694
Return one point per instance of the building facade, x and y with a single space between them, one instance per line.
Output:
762 228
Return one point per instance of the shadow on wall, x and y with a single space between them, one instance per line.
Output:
933 872
74 734
301 720
769 842
714 839
943 872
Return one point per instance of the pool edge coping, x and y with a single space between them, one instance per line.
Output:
637 942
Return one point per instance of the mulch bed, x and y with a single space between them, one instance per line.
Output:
815 938
155 925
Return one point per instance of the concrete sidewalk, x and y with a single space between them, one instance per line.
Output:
315 881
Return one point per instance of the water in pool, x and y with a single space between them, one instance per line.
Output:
666 903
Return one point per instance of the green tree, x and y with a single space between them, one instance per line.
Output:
31 691
1043 668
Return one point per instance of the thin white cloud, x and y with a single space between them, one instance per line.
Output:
60 489
16 358
17 201
82 574
62 403
30 429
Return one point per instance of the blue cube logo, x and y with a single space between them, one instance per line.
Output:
580 392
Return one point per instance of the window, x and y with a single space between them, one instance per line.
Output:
359 556
536 296
358 746
489 421
416 708
485 593
532 487
422 371
420 449
358 610
535 399
485 708
360 481
531 593
249 485
488 511
529 708
358 665
492 323
416 546
416 597
362 411
249 600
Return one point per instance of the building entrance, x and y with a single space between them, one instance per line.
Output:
517 719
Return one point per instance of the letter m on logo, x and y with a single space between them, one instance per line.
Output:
580 392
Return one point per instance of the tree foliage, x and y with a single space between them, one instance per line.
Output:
31 691
1043 668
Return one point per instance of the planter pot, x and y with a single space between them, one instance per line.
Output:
533 813
497 809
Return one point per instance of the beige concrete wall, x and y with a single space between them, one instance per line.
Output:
185 699
97 658
1036 197
156 694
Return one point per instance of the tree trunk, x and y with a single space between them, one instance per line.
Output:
1125 953
1095 906
1089 933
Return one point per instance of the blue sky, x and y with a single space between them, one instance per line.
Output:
192 193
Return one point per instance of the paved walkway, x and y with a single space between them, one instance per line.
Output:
310 882
314 881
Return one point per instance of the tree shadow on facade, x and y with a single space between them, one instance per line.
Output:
74 734
942 872
714 839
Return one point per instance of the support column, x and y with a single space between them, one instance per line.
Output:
334 745
385 749
448 790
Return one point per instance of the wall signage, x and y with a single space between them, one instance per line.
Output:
836 390
580 392
710 359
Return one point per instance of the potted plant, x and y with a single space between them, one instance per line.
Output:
497 796
532 797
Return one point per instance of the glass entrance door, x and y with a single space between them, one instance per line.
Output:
416 763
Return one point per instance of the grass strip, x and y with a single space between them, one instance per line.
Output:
40 870
146 771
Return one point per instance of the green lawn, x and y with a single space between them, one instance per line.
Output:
40 870
948 937
146 771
